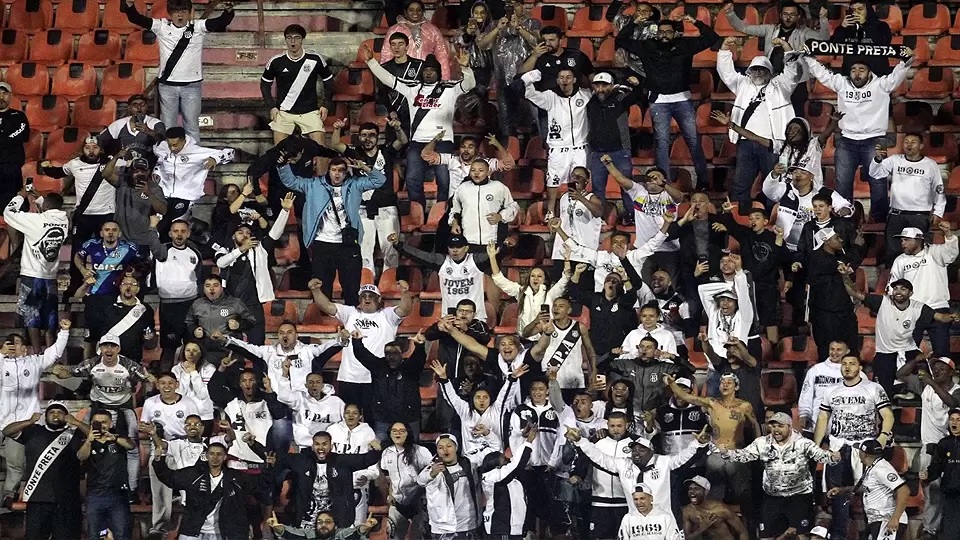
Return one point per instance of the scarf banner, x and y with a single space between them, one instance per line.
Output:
830 48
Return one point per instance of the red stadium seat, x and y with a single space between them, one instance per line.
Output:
375 45
374 113
590 22
120 81
818 114
912 116
64 143
606 53
918 44
931 83
94 112
31 16
353 85
414 220
706 59
583 45
778 388
927 19
78 16
382 26
700 13
422 316
702 85
51 48
142 49
34 146
74 80
47 113
705 124
892 15
946 52
28 79
550 16
158 10
433 220
13 47
287 250
681 155
278 311
99 48
115 19
42 184
748 14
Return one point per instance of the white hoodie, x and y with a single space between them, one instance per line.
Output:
43 234
20 381
567 115
310 414
182 175
819 379
473 202
927 271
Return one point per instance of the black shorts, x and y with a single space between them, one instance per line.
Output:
780 513
605 521
768 303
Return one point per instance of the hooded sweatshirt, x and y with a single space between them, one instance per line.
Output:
769 118
425 38
43 234
182 175
874 32
810 154
310 414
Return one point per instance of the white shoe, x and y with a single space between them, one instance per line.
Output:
547 217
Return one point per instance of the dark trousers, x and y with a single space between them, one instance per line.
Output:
885 369
358 394
109 512
56 521
257 333
330 260
840 475
951 512
84 228
11 181
175 208
939 334
173 328
896 222
830 326
752 159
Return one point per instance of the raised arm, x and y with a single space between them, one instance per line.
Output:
325 304
685 396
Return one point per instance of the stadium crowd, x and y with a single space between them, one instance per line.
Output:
629 402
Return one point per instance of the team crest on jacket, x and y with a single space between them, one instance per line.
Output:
579 103
654 378
571 62
224 312
694 416
490 197
668 417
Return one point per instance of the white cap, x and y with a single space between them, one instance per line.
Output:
603 77
822 236
643 488
910 232
109 338
642 442
761 61
369 288
683 381
450 436
700 481
820 531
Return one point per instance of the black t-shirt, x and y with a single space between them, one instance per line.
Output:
383 196
61 481
14 132
131 339
549 65
107 469
297 81
392 99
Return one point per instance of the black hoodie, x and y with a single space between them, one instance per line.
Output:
667 65
872 31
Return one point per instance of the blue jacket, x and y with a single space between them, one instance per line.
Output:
317 191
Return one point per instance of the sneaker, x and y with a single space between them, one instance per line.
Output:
547 217
905 395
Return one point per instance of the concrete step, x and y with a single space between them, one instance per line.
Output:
339 47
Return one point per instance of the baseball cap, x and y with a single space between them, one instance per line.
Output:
369 288
683 381
457 240
761 62
728 375
643 488
820 531
90 139
109 338
57 405
450 436
729 293
700 481
140 163
603 77
871 447
6 86
781 418
946 361
822 236
910 232
642 442
803 166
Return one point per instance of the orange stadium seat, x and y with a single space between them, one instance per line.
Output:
51 48
584 45
948 117
590 22
74 80
63 143
946 52
78 16
526 183
28 79
120 81
31 16
927 19
115 19
890 14
433 219
701 13
47 113
382 26
705 59
818 114
33 149
13 47
752 48
375 45
680 154
931 83
158 10
748 14
142 49
99 48
912 116
277 311
412 221
287 250
778 388
919 45
353 85
606 53
372 112
550 16
705 124
94 112
445 18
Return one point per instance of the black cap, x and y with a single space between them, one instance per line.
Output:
431 61
871 447
457 240
140 163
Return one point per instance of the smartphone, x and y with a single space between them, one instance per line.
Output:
96 426
451 311
701 259
545 309
602 379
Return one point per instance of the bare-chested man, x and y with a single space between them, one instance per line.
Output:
729 416
708 519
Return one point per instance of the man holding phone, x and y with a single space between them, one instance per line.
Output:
104 454
137 131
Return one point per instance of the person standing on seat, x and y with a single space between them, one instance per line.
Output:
14 132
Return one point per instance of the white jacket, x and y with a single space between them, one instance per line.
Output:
866 109
274 356
927 271
819 379
776 105
529 309
472 202
194 385
447 513
182 175
43 234
606 488
476 447
566 116
20 381
258 260
310 414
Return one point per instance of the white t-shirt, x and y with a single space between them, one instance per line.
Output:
321 496
895 326
104 200
880 484
462 281
171 417
566 351
212 524
581 226
333 220
933 421
648 210
378 329
853 411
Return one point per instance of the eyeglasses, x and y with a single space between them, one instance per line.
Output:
398 431
293 38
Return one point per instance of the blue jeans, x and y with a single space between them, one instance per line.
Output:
417 171
280 435
382 431
851 154
686 115
840 475
183 101
752 158
623 161
109 512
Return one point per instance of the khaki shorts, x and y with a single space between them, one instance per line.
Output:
307 122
